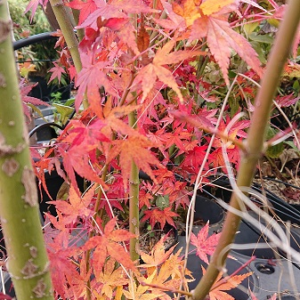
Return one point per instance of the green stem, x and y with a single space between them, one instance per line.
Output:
134 213
255 141
28 263
65 24
91 234
80 31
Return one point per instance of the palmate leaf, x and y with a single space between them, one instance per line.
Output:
85 8
57 72
142 291
147 76
108 244
76 207
218 290
162 217
115 9
175 22
111 277
33 5
209 20
158 254
205 244
90 79
134 149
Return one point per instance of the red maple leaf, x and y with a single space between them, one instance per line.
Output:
56 71
162 217
144 198
194 158
175 22
205 244
25 89
90 79
78 162
33 5
179 137
108 244
287 100
63 270
218 290
217 159
111 119
86 8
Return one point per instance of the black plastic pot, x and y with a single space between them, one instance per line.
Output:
206 209
250 234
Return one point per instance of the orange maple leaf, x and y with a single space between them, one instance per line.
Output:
142 291
111 277
148 75
210 20
108 244
225 284
112 119
76 206
134 149
158 254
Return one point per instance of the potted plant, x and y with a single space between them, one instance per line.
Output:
141 74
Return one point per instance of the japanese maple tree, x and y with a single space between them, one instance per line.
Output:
151 78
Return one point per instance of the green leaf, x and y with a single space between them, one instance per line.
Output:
296 86
259 50
64 111
261 38
250 27
276 150
292 145
162 201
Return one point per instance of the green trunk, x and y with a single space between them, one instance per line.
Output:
27 263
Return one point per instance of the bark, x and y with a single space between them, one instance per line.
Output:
27 262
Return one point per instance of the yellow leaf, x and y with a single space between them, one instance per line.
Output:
188 10
273 22
210 7
26 68
119 292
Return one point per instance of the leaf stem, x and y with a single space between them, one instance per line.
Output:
211 130
134 213
162 287
227 278
91 234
